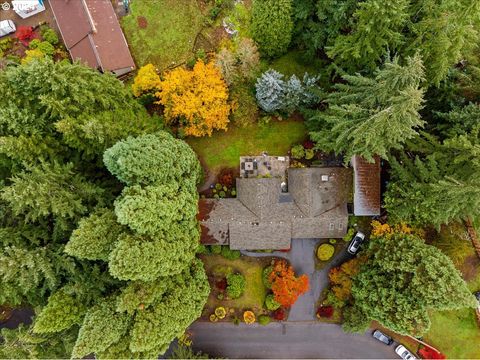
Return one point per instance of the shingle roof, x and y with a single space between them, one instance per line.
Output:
366 198
316 190
92 34
262 217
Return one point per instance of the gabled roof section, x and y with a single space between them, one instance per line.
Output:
92 34
366 197
318 190
259 195
260 235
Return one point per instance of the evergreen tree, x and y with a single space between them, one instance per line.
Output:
270 90
371 116
377 31
272 25
95 236
151 159
49 189
401 280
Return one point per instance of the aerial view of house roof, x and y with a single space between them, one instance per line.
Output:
265 217
92 34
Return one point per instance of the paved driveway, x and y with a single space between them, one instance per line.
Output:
291 340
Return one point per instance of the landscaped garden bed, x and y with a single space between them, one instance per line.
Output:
326 250
249 289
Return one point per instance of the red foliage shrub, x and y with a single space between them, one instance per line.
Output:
279 314
286 286
226 178
308 144
325 311
221 284
24 33
429 353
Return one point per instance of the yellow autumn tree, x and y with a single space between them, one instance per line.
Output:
146 80
196 100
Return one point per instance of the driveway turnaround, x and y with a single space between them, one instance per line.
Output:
290 340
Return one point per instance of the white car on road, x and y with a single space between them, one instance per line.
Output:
404 353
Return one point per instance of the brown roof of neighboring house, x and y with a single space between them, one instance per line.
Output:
92 34
366 197
262 217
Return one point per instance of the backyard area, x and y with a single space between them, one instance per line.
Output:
223 149
162 32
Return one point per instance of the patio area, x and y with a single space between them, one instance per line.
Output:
264 166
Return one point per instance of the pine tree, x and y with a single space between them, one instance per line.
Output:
270 89
377 31
372 116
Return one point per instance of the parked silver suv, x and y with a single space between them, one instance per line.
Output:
354 245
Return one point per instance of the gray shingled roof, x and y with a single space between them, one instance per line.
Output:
264 218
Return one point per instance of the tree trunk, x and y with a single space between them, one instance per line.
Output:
472 233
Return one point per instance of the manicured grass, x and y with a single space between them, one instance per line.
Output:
223 149
456 333
169 36
255 292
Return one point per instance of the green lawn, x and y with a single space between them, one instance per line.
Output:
223 149
169 36
456 333
294 63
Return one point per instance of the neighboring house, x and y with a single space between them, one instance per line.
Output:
264 216
92 34
366 198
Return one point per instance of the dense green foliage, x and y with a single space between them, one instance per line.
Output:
359 35
73 243
372 116
272 25
235 285
402 279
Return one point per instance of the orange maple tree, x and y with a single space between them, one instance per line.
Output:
286 286
341 278
196 100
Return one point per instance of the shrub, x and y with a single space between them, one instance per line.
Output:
248 57
325 252
298 152
249 317
264 320
279 314
272 25
50 36
34 44
196 100
270 303
220 312
309 154
24 33
235 285
31 55
220 296
6 44
213 318
218 186
233 192
266 276
428 353
226 178
227 253
308 144
147 80
332 241
45 47
348 236
216 249
270 91
325 311
222 194
202 249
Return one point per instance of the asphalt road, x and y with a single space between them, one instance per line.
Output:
292 340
